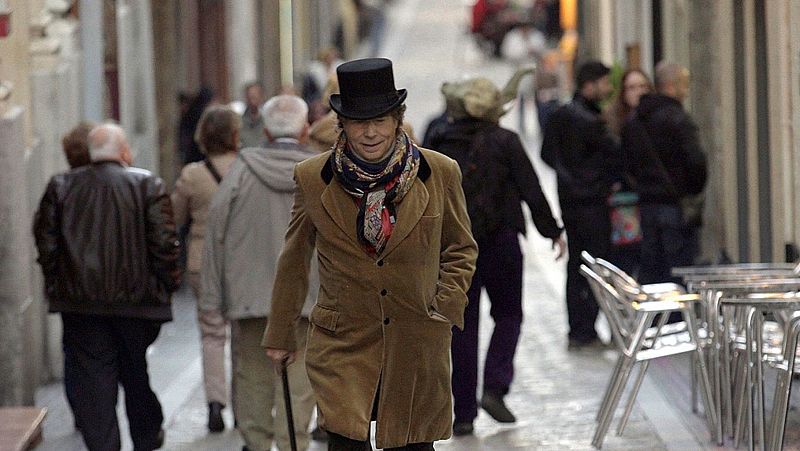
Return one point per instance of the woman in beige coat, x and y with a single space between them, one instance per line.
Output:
218 137
396 256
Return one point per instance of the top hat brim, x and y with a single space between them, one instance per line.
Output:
367 107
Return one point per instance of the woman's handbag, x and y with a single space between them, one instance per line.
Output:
625 218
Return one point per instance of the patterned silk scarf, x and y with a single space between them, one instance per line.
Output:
377 193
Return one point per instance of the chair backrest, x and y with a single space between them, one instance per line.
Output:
624 283
620 318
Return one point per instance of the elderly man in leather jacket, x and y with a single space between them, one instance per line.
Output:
108 251
578 145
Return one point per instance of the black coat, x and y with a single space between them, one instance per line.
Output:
497 177
579 146
662 151
107 243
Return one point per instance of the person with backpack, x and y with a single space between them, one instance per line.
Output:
497 177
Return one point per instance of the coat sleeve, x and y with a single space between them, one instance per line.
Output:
46 225
694 157
180 199
458 254
527 184
291 278
213 270
162 241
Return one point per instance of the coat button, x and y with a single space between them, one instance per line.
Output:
386 320
380 262
383 292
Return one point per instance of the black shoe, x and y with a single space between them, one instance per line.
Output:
215 423
460 429
159 439
319 435
493 405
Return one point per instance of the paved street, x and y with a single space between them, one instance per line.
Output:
555 393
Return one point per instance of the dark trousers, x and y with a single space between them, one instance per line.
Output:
666 242
105 352
338 442
499 270
588 229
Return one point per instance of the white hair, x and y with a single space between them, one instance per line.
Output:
106 141
285 116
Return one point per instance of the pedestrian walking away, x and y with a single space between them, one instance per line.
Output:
396 255
579 146
218 139
246 225
109 255
497 177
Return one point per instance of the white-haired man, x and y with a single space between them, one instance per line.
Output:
108 251
245 228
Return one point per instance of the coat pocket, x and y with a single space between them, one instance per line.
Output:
324 317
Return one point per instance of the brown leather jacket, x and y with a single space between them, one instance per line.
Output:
107 243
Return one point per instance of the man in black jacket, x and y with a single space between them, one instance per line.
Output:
497 178
578 145
108 251
666 162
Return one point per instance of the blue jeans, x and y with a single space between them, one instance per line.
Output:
666 242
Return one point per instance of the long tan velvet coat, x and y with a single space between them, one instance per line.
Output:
381 325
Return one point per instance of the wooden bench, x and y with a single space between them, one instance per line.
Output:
20 427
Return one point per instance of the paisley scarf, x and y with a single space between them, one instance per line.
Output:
377 188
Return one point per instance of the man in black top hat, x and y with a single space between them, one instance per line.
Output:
396 256
579 146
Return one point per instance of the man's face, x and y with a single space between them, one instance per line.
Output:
371 139
254 97
682 86
126 154
602 88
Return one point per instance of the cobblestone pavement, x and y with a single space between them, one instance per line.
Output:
555 393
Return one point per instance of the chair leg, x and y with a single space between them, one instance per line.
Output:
607 394
727 383
632 398
705 384
759 379
741 392
784 387
694 387
608 410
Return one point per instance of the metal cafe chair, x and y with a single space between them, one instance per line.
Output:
706 281
779 350
631 321
719 326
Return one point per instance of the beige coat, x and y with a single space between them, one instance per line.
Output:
190 200
382 321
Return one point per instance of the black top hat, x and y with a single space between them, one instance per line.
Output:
366 89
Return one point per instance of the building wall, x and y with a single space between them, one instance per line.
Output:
744 60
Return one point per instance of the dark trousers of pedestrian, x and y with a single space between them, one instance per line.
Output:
666 242
588 229
338 442
499 271
105 352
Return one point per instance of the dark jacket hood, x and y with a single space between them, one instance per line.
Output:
650 103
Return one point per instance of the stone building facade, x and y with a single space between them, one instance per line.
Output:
744 59
69 60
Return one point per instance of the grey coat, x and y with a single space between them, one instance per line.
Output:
245 231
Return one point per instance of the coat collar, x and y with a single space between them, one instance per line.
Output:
341 208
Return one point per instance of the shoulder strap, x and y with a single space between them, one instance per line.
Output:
213 170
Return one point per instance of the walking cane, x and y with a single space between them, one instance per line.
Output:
287 400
